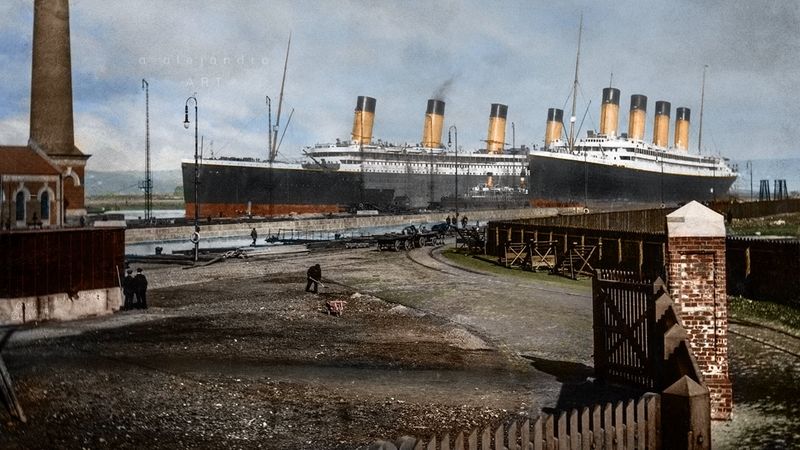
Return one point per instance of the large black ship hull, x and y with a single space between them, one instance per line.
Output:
564 180
231 190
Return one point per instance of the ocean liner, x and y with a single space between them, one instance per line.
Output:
362 173
610 167
607 166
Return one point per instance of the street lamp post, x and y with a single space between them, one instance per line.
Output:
455 130
196 234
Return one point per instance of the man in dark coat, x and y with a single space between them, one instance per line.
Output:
464 221
314 275
254 235
128 290
140 283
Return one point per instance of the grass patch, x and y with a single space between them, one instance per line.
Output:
744 309
778 225
488 264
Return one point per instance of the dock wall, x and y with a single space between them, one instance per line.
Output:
139 235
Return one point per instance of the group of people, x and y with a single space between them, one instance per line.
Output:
134 289
454 221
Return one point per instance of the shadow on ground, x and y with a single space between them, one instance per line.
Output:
579 388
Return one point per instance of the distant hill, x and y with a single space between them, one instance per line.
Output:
127 182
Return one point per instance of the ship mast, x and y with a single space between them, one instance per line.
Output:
702 100
575 91
273 152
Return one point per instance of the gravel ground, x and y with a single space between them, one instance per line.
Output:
236 355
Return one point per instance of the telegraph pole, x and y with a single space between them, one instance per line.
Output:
147 183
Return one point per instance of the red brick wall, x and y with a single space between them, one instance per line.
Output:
696 272
74 195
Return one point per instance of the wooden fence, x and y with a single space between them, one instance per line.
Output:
634 424
652 220
746 210
764 269
643 253
758 269
36 263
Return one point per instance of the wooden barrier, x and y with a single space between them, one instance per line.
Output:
634 424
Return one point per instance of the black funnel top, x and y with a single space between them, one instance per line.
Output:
435 107
365 104
682 114
611 95
555 115
662 108
638 102
499 110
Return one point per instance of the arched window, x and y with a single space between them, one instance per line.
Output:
20 199
44 200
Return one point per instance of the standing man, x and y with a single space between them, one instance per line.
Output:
128 290
314 275
140 283
254 235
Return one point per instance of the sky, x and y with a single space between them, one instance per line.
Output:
470 53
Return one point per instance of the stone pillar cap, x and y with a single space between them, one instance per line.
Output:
695 220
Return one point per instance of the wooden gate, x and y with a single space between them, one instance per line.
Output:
625 349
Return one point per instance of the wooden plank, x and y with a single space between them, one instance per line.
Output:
563 440
9 395
432 443
619 429
630 426
420 445
511 436
549 433
574 434
586 433
597 427
486 439
498 438
537 441
459 444
608 427
652 410
525 435
445 443
472 440
640 424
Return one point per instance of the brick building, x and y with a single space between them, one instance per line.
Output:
43 181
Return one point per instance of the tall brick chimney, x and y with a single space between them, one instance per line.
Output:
51 125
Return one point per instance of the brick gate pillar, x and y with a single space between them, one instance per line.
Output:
696 275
